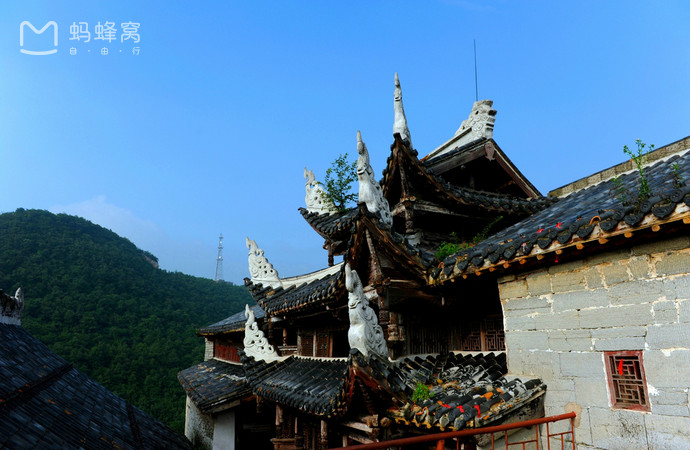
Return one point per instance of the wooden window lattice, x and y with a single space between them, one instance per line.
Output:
627 383
306 344
471 337
322 344
494 335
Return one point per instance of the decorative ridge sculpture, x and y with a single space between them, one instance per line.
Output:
316 198
11 308
480 123
260 270
400 121
365 333
255 343
369 189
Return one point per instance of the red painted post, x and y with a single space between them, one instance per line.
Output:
441 444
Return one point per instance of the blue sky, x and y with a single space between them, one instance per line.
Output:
209 127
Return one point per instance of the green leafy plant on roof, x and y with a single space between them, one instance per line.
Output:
421 393
678 178
639 159
338 182
448 248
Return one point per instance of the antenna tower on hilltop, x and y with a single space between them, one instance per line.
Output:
219 261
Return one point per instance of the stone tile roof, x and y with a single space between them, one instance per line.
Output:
496 202
316 386
235 322
465 391
275 301
592 213
331 226
475 385
46 403
214 383
465 196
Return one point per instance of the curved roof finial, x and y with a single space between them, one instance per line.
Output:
260 270
316 198
255 343
400 121
365 333
369 189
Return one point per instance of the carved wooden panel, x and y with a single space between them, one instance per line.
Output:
494 335
627 382
306 343
322 344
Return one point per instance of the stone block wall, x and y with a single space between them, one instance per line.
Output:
560 319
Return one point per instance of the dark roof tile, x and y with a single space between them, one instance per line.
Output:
46 403
213 383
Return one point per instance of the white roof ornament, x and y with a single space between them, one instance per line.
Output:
400 121
365 333
260 270
479 124
11 308
369 189
255 343
316 198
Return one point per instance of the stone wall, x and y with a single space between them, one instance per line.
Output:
559 320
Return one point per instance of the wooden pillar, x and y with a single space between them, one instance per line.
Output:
285 337
279 421
324 435
330 254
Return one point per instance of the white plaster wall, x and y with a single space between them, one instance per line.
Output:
198 427
224 431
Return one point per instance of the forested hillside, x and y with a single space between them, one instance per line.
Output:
98 301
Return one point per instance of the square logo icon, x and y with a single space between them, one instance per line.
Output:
49 49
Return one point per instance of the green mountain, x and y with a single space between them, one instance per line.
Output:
102 304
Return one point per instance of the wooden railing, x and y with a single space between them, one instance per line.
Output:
441 438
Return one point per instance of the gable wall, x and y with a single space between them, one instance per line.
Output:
559 321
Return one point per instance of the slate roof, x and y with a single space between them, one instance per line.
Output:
214 383
486 200
276 301
331 226
235 322
466 391
587 214
46 403
316 386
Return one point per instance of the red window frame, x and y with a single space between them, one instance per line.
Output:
627 381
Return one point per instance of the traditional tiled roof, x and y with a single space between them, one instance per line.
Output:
317 292
46 403
331 226
214 383
465 391
598 212
497 202
431 161
233 323
316 386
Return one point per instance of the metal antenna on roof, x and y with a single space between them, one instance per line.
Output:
476 90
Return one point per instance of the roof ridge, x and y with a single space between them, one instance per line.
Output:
34 387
